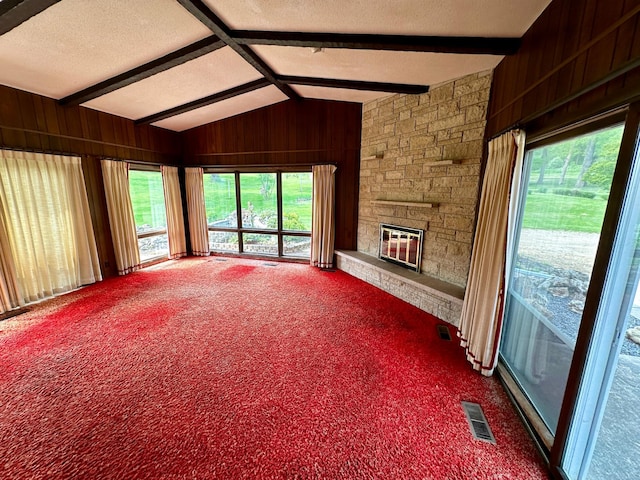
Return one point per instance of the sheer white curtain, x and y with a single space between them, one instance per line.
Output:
47 226
123 227
323 223
481 320
173 206
198 229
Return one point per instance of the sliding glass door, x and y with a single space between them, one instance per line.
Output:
259 213
604 436
566 187
571 331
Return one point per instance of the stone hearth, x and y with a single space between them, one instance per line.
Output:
441 299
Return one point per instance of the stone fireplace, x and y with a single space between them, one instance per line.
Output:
401 245
420 168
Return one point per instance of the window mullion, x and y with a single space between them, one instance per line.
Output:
239 214
279 194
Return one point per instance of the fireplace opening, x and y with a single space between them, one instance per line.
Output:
401 245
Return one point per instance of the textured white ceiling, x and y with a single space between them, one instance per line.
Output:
77 43
190 81
226 108
377 66
500 18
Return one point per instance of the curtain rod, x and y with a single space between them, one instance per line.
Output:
138 162
273 152
262 165
40 150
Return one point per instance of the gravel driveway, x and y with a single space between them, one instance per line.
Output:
566 250
570 251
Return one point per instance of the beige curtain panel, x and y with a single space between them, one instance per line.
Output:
10 296
47 226
123 228
198 229
482 310
175 219
323 222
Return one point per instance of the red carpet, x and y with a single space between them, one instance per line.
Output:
201 368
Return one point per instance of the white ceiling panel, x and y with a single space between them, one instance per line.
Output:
77 43
226 108
499 18
340 94
199 78
373 65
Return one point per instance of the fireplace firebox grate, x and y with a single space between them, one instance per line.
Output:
401 245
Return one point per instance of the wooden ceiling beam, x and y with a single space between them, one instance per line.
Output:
173 59
198 9
203 102
356 85
398 43
15 12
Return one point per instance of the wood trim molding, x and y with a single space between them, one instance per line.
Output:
173 59
199 10
76 138
16 12
400 43
202 102
356 85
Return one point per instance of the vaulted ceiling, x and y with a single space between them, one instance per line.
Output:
178 64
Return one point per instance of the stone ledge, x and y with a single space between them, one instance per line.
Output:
439 298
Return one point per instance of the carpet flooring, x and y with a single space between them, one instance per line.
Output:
203 368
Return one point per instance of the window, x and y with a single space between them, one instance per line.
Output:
296 212
275 218
147 199
222 214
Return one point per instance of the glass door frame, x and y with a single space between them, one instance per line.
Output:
631 116
604 254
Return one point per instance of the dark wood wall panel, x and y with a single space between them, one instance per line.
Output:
99 214
35 123
579 56
290 133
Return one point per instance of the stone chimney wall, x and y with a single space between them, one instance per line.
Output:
431 147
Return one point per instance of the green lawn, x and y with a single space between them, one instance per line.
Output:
548 211
544 210
260 191
219 195
147 198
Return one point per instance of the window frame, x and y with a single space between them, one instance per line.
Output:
279 231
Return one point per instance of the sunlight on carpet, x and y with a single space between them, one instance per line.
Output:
206 369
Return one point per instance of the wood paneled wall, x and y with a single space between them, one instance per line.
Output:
578 58
35 123
301 132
